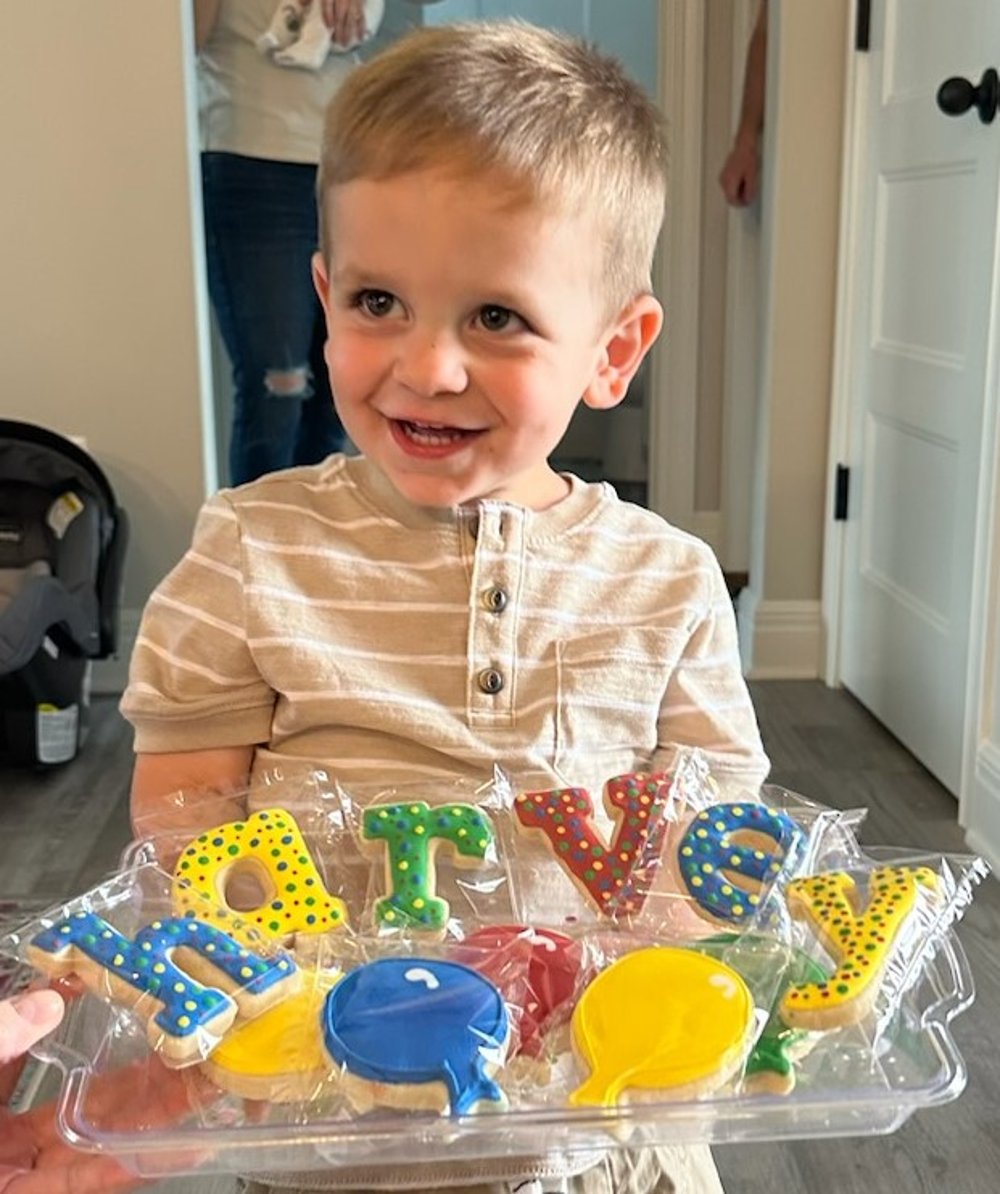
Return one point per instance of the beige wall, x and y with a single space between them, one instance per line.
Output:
806 213
98 307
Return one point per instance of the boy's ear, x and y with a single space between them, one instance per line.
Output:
625 343
321 279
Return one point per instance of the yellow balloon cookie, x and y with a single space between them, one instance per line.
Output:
661 1022
279 1056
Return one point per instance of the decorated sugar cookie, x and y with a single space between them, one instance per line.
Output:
279 1056
267 847
537 971
860 940
166 970
661 1022
413 832
606 872
730 855
771 1065
417 1033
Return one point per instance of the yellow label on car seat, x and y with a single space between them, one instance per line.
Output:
62 512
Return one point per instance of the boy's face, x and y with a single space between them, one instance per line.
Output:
463 331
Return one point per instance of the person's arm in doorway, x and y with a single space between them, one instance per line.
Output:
206 13
740 176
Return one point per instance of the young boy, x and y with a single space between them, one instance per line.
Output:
491 197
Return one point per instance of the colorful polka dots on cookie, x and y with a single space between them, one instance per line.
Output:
731 853
606 871
269 849
413 832
171 961
859 942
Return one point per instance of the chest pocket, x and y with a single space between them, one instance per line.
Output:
610 687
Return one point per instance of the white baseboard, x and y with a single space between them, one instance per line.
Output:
110 676
780 640
982 810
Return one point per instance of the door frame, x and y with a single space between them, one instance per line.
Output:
673 403
979 787
677 268
854 151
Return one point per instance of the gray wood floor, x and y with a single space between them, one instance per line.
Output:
62 830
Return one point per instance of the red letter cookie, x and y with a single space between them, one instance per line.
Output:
605 871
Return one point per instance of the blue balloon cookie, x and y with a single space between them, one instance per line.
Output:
408 1022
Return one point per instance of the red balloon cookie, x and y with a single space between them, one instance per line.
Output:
537 971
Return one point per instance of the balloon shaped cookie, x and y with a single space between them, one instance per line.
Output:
538 972
277 1057
661 1021
403 1026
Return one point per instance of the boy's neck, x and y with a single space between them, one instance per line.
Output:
369 477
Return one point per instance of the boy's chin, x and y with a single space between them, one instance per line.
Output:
433 492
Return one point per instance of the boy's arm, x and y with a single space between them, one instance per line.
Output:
220 775
707 705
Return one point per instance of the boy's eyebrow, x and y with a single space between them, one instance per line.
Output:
349 275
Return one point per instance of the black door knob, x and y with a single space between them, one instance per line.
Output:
956 96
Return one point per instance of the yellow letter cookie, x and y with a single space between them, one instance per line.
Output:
268 848
859 942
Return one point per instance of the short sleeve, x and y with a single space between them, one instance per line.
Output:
193 681
707 704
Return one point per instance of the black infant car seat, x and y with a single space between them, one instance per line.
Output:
62 546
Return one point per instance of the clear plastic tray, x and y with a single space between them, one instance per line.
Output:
847 1085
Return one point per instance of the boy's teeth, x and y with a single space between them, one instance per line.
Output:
432 433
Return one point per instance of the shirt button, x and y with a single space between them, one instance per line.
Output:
495 599
490 680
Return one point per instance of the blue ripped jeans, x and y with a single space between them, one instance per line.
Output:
260 233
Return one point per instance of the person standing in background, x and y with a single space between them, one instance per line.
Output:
260 126
740 175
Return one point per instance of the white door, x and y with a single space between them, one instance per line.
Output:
925 298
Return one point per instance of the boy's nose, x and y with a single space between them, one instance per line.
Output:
431 363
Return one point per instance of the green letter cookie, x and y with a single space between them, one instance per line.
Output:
412 833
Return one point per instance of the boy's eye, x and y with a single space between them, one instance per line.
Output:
375 302
495 318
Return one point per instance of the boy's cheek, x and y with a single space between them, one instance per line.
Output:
348 362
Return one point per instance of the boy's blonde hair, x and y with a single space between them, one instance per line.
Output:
560 122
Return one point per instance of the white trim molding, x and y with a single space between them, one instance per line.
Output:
848 335
780 640
677 270
982 805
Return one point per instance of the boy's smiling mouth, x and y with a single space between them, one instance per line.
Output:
431 437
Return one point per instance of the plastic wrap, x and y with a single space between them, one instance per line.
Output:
424 955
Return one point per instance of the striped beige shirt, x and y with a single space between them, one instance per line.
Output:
321 617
